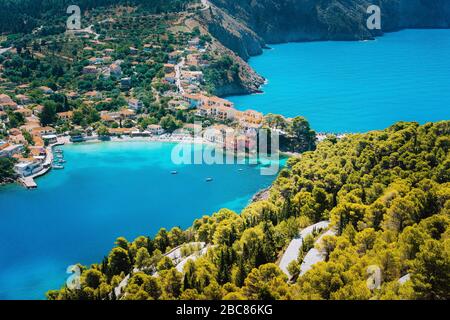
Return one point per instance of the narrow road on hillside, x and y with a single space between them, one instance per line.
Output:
178 69
3 50
293 249
314 256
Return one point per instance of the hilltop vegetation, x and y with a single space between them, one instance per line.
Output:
22 16
7 173
387 194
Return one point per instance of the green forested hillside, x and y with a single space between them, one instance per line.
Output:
387 194
22 16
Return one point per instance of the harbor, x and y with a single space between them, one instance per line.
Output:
29 172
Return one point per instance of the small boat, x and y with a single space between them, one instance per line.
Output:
240 169
209 179
62 161
174 172
57 167
58 151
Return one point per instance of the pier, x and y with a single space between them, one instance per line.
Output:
28 183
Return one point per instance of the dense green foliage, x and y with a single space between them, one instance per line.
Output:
22 16
7 173
221 72
387 194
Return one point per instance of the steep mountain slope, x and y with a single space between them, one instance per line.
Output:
278 21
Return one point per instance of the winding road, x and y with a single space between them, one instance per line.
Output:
314 256
3 50
293 249
178 69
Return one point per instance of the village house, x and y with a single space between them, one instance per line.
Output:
90 70
50 139
72 95
9 150
32 123
23 86
193 128
195 42
176 104
38 141
174 56
192 60
23 99
192 76
218 134
249 118
155 129
115 70
147 48
14 132
92 95
218 102
169 68
133 51
66 116
18 139
38 152
194 100
46 90
42 131
25 112
106 117
25 169
93 60
222 113
217 108
37 109
127 114
120 131
135 104
170 77
6 103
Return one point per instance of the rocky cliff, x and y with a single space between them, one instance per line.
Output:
246 25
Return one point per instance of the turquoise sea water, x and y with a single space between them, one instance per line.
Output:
357 86
107 190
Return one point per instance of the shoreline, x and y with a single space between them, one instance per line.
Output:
65 140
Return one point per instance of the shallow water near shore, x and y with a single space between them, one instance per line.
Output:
107 190
357 86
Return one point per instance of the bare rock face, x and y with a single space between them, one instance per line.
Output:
232 33
245 26
278 21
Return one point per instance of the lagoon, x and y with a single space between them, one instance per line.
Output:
107 190
357 86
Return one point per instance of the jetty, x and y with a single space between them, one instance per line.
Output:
28 182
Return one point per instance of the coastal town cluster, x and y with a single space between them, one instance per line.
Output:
31 143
